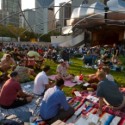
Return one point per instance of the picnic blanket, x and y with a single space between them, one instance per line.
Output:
85 106
28 108
68 83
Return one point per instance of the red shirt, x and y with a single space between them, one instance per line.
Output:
8 93
40 51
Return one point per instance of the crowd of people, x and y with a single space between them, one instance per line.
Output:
23 59
103 56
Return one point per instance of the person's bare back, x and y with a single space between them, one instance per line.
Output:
7 63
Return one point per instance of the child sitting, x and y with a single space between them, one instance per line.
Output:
62 71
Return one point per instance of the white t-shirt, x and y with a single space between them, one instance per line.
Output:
62 70
39 83
109 77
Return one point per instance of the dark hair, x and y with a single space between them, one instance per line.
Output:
46 68
59 82
31 48
8 55
14 74
15 49
106 69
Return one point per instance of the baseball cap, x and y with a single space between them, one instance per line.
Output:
61 60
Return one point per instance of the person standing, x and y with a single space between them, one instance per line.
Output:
115 50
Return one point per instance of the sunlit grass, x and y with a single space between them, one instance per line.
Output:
76 68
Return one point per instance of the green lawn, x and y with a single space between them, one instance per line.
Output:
76 68
1 55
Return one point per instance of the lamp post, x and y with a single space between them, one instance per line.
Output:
106 13
18 38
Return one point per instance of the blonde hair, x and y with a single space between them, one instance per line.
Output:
101 74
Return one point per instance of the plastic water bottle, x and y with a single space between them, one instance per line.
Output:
81 77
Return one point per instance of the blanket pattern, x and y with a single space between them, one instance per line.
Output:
4 113
108 117
82 106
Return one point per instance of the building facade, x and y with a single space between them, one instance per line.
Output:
9 8
77 3
51 20
0 14
64 13
101 22
42 18
30 17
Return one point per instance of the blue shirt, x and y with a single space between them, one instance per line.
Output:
110 91
54 99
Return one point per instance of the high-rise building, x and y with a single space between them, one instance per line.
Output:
9 8
42 12
77 3
64 13
30 17
51 20
0 14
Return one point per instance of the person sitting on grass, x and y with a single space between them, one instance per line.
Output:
108 92
54 105
88 59
41 82
12 95
7 63
24 73
16 55
62 71
34 59
92 78
106 69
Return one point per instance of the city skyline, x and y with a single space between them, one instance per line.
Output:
26 5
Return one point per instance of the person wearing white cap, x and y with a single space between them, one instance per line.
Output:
62 70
